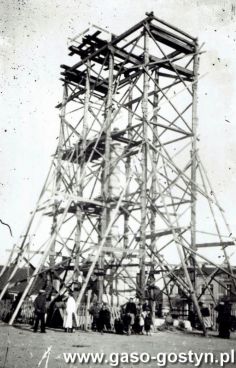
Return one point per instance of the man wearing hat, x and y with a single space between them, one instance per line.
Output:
40 310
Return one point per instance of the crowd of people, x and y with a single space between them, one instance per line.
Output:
101 317
40 309
132 318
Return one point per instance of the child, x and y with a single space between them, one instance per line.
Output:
148 323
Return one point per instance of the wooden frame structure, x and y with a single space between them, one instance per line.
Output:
123 186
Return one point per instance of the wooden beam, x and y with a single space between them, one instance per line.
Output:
171 41
173 35
107 249
161 233
27 251
114 41
174 28
214 244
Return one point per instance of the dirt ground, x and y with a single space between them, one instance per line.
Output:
21 348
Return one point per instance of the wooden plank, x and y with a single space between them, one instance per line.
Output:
174 28
117 250
173 35
27 251
80 77
213 244
171 42
161 233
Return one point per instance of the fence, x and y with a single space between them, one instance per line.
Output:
26 313
5 307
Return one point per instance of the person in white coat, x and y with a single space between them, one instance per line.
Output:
70 312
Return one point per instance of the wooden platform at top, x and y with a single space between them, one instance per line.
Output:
96 49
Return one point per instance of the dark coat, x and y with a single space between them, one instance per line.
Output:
126 321
40 304
105 315
131 308
220 309
205 312
147 323
224 319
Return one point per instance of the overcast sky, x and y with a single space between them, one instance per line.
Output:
33 44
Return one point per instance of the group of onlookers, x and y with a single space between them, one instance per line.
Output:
101 317
224 318
70 315
132 318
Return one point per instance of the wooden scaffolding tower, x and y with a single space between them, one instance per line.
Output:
120 197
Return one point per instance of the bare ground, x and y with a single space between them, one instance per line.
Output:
21 348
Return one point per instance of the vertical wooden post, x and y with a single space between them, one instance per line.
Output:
80 168
154 165
57 183
194 163
106 171
144 170
127 170
153 192
117 292
111 288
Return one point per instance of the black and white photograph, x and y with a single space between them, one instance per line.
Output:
117 183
